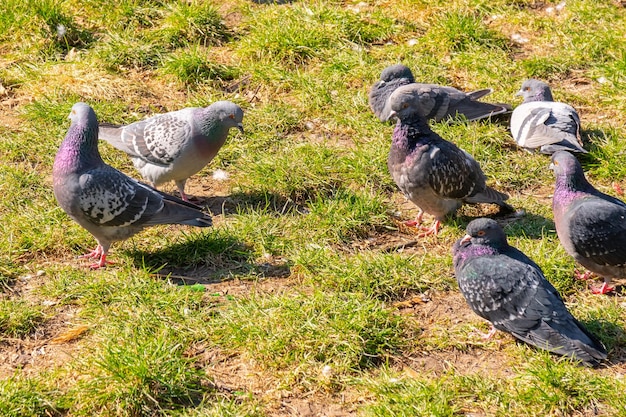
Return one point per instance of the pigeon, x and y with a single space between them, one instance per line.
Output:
104 201
175 145
590 225
502 285
433 173
544 124
439 103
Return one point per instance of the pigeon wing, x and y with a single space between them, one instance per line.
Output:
159 139
454 173
109 198
605 222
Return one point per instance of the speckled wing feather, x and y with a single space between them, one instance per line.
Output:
109 198
158 140
509 290
454 173
598 229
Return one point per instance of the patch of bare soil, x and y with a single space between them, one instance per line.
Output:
439 313
233 373
52 345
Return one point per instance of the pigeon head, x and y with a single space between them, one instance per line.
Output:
564 163
394 72
83 114
228 113
535 90
568 171
404 103
486 232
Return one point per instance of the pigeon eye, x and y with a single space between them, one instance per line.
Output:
232 116
405 106
555 162
480 233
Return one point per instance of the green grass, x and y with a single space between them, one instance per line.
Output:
309 292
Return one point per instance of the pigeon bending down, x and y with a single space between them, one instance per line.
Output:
439 103
176 145
107 203
433 173
591 225
544 124
502 285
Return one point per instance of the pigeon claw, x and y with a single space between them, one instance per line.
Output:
603 289
101 263
584 276
433 230
488 335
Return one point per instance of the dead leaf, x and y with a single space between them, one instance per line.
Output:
70 334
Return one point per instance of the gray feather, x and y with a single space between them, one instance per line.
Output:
175 145
438 102
110 205
502 285
544 124
590 225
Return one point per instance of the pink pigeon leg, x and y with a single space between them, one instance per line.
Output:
96 253
181 189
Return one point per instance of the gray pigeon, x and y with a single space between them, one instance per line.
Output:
433 173
107 203
502 285
439 102
591 225
176 145
544 124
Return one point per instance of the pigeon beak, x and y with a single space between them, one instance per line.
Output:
240 127
519 93
465 239
392 114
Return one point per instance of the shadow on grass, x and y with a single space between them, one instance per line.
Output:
526 225
612 336
209 259
591 141
258 202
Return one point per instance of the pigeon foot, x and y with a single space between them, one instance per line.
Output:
584 276
603 289
488 335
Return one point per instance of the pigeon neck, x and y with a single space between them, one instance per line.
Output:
568 186
79 148
211 126
410 131
473 251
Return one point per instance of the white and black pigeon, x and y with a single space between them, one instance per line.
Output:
175 145
440 102
591 225
502 285
433 173
107 203
544 124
